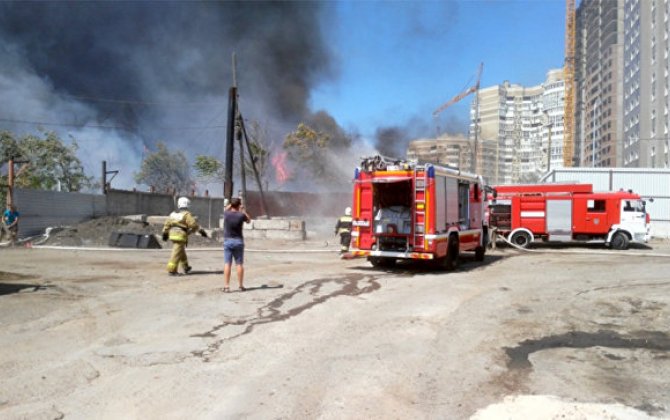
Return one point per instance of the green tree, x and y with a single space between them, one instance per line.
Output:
259 145
50 162
165 171
316 147
210 169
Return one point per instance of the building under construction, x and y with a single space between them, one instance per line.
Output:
598 88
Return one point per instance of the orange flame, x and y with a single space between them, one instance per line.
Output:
281 171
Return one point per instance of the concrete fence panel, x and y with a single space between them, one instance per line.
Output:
41 209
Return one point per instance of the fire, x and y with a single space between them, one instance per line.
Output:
281 171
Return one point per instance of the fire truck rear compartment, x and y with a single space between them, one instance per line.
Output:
392 215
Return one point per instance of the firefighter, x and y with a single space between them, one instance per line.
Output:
178 226
343 228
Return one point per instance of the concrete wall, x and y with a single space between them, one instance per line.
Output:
41 209
121 203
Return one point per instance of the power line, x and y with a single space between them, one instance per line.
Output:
134 101
211 120
109 127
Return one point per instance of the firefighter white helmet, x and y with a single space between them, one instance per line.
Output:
183 203
347 211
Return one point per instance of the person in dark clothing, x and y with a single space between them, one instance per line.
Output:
233 241
10 224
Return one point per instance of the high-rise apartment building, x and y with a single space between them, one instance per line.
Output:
646 83
599 82
519 130
446 150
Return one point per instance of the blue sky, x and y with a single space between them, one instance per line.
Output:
400 60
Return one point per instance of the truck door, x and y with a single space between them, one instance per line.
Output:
590 216
363 216
559 219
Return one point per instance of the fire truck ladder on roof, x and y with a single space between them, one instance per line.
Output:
420 183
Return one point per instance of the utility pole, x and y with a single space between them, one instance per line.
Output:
230 137
107 184
237 132
11 176
10 181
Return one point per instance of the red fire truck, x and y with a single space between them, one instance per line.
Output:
567 213
407 210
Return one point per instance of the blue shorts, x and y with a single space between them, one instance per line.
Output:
233 247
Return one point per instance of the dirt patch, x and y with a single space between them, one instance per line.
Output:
97 232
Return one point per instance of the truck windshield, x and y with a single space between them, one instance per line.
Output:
633 205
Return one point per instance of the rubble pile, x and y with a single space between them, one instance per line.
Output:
97 232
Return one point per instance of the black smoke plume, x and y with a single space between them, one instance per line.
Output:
123 75
393 141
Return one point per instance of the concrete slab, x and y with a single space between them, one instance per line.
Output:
275 224
156 220
285 234
136 217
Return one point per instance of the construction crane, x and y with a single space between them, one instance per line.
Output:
569 75
472 89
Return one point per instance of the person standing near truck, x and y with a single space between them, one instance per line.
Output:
10 224
343 228
234 217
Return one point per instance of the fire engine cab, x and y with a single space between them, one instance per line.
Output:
567 213
406 210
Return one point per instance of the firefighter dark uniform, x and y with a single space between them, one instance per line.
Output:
177 227
343 228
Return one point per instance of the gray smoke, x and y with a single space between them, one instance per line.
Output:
393 141
119 76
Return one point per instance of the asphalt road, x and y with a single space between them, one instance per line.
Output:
578 332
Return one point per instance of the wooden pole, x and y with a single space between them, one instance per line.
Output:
10 182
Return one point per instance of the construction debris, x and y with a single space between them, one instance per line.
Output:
97 232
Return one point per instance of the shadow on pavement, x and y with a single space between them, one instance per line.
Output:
9 288
547 246
203 272
412 267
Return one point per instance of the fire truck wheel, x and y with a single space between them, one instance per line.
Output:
450 261
619 241
521 239
479 253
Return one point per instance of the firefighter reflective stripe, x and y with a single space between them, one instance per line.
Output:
178 234
344 224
